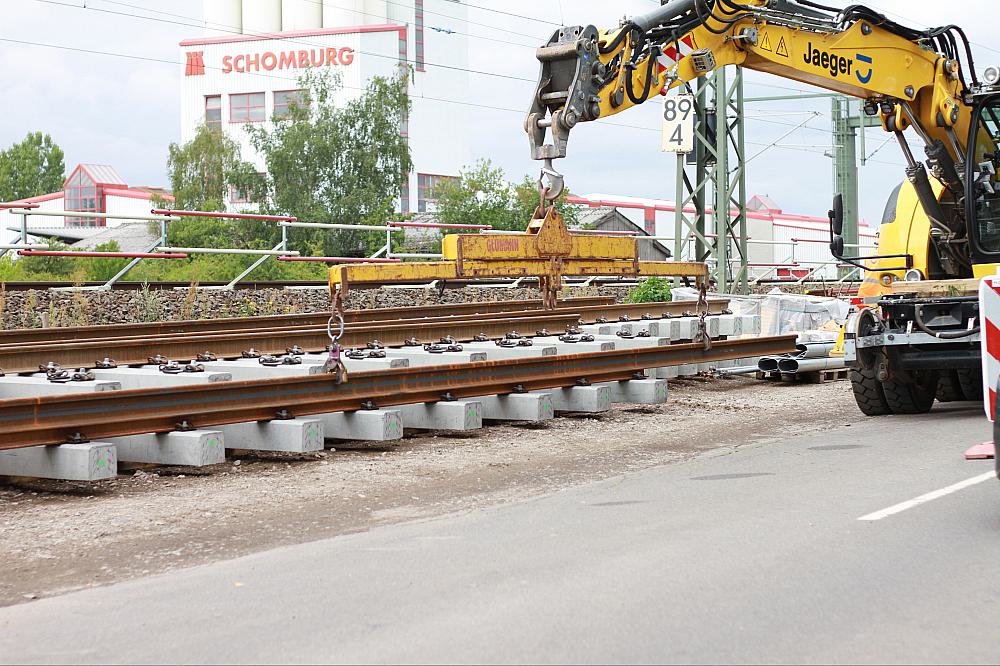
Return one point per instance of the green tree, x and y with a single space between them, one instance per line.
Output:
201 173
32 167
336 163
202 170
482 195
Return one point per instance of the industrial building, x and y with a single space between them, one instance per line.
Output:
245 70
90 188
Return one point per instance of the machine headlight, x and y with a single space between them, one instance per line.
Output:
914 275
888 279
991 76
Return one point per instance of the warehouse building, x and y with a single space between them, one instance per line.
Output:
246 68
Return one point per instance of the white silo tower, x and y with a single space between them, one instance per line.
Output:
223 17
261 16
342 13
375 12
301 15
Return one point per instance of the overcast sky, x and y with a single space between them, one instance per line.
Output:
125 111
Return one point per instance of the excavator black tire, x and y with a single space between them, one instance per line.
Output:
868 392
950 387
971 381
916 397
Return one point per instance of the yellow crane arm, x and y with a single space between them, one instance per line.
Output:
588 74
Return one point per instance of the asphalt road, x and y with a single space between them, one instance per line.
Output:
748 555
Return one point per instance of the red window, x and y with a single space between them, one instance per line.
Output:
246 108
213 111
419 35
284 98
82 194
428 188
404 195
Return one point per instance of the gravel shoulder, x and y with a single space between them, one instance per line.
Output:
58 536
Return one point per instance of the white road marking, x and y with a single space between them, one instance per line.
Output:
929 497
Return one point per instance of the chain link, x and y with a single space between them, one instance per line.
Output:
335 363
703 335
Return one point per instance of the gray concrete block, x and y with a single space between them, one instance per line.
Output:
640 391
672 372
518 407
96 461
457 415
197 448
367 364
727 324
591 399
684 328
377 425
140 378
635 343
495 353
249 369
358 365
575 347
687 370
421 358
610 328
34 387
301 435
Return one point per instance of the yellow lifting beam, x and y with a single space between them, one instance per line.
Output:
548 251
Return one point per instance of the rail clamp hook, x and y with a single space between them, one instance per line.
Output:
335 363
550 183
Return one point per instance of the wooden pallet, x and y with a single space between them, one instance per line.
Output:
819 377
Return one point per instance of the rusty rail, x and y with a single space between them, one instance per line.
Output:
138 351
28 357
28 335
94 416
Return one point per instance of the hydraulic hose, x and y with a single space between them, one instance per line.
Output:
918 319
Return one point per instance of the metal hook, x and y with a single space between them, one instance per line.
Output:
551 183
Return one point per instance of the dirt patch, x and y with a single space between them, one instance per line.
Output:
62 536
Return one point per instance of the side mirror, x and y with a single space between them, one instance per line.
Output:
837 247
837 215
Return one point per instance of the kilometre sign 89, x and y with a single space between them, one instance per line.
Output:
678 124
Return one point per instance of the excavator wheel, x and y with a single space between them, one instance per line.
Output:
950 387
971 381
916 397
868 392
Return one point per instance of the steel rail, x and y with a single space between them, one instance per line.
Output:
138 351
95 416
30 335
590 311
389 325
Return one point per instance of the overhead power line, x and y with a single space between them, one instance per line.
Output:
289 40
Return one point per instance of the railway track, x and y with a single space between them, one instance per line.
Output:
290 321
28 350
259 383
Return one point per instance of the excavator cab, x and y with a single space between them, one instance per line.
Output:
983 187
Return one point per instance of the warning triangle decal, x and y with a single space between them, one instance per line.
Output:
782 48
765 42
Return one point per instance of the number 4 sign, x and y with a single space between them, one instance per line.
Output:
678 124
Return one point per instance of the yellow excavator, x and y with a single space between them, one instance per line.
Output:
911 343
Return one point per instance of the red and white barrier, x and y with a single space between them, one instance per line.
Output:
989 313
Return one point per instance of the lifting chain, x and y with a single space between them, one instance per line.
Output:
335 363
703 335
